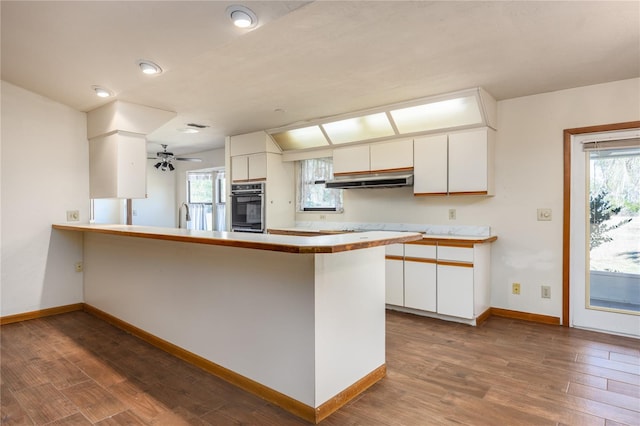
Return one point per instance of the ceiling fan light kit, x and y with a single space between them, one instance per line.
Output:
165 159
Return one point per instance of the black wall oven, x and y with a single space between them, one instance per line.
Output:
247 207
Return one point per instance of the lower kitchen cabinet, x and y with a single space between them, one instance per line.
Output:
394 274
446 279
420 284
455 291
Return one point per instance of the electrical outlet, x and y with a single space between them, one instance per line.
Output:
73 215
545 292
515 288
452 214
323 217
78 266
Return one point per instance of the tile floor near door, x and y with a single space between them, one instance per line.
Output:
74 369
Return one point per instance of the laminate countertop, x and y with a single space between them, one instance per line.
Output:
424 238
332 243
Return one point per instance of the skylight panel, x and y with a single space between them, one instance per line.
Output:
303 138
367 127
438 115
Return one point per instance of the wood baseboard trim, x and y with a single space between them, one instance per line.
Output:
285 402
543 319
41 313
339 400
483 317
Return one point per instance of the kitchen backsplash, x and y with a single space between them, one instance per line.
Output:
460 230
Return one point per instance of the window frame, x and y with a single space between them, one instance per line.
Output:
338 204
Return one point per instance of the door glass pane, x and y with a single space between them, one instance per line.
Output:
614 230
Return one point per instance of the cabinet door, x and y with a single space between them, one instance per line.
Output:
430 168
420 284
468 162
455 291
394 282
352 159
239 168
396 155
118 166
257 166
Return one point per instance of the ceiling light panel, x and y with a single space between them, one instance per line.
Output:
455 112
370 126
305 137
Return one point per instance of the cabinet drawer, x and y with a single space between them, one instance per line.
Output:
420 251
394 250
461 254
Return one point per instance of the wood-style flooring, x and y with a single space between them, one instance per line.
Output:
75 369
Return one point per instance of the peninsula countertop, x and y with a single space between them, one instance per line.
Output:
284 243
424 237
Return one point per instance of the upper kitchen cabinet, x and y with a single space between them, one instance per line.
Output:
117 166
254 157
352 159
459 163
117 148
249 168
249 156
380 157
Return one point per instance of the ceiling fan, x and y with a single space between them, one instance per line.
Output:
165 159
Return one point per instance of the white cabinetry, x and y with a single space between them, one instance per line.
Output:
352 159
455 281
420 276
118 166
394 272
457 164
254 157
469 167
445 279
249 168
431 171
377 157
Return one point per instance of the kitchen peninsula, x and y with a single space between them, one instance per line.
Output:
299 321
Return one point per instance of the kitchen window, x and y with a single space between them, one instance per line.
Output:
312 194
200 198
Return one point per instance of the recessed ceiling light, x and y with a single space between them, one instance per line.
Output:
148 67
188 130
242 17
101 91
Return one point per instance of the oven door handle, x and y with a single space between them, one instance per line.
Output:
237 193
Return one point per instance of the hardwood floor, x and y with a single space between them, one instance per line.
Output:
75 369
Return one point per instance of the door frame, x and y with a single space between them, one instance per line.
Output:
566 203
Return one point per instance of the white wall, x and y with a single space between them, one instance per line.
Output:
529 175
45 172
159 208
210 159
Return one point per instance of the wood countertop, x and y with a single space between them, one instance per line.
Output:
425 238
333 243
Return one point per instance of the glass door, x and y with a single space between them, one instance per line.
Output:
614 230
605 234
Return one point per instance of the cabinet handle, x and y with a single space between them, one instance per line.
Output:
461 264
420 259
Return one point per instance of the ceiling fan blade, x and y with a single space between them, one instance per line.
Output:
188 159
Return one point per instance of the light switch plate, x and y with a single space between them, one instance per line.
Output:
544 214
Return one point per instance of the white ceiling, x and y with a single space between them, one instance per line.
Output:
311 60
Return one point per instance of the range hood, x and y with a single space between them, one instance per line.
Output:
371 181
